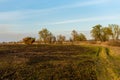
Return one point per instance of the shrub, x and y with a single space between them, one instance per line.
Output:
28 40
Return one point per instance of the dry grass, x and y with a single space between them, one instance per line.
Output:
47 62
58 62
114 43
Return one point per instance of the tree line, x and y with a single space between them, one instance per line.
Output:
103 34
98 33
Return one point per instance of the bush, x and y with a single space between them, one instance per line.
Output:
28 40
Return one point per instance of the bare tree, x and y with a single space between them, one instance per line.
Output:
115 31
78 36
61 38
81 37
74 35
45 35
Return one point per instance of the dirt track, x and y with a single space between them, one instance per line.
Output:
104 55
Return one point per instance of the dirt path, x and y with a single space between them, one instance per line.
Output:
104 57
106 67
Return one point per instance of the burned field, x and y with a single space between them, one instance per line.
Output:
51 62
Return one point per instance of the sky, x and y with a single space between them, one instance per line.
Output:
21 18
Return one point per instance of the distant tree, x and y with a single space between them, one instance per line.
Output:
61 38
28 40
74 35
81 37
70 39
78 37
106 32
49 38
100 33
96 32
45 35
53 39
115 31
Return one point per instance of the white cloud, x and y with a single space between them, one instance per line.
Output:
78 4
100 18
10 16
74 5
22 14
82 4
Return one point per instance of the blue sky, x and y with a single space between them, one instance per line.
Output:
20 18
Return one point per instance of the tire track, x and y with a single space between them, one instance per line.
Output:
103 55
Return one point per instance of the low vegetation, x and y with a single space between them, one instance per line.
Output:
56 62
47 62
28 40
